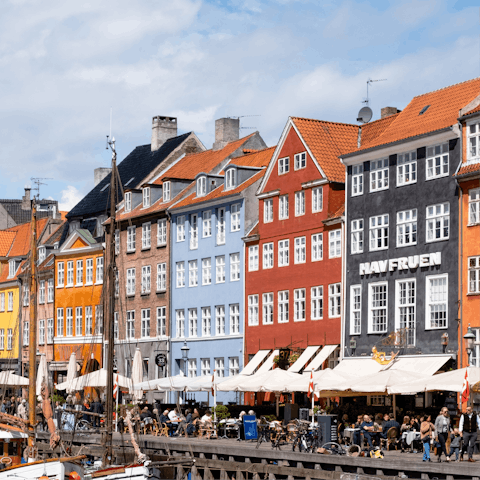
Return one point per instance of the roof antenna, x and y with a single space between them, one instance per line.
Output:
243 116
365 114
38 181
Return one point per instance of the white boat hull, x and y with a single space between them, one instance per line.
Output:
137 472
55 470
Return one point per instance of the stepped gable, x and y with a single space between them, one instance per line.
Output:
443 110
136 165
327 141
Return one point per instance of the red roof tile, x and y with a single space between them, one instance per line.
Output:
254 231
23 237
256 158
6 240
468 169
443 110
327 141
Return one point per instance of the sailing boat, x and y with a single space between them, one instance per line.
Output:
14 431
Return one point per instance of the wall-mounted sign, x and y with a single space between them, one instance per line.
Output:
161 360
403 263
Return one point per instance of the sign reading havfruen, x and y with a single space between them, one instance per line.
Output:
403 263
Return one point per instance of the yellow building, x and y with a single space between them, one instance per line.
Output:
9 319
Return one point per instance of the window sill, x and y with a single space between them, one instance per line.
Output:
316 319
299 320
336 256
60 286
406 245
437 240
437 177
473 294
129 252
473 224
161 245
88 284
163 290
79 284
379 190
145 294
399 185
145 248
130 295
99 283
68 286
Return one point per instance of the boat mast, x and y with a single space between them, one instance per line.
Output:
32 371
110 298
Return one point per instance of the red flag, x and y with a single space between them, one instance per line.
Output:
465 388
115 387
310 386
213 383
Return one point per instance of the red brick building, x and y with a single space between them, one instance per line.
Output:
293 290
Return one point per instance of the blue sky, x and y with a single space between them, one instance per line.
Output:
64 64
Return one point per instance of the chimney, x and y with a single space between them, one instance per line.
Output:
99 174
226 130
163 128
26 204
388 111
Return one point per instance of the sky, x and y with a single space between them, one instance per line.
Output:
65 66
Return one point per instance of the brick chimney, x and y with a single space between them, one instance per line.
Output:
226 130
26 204
388 111
163 128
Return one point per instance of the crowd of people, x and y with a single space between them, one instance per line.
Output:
16 406
452 442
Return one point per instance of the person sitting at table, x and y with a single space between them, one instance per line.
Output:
388 423
378 423
182 426
357 434
368 430
341 427
164 420
174 416
414 424
145 414
406 426
207 419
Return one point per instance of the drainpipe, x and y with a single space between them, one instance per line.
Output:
344 266
460 269
170 256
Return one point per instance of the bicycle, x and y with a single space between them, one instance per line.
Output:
303 440
263 434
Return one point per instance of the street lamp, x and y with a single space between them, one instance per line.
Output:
185 351
469 339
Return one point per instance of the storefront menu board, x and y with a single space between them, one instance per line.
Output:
250 427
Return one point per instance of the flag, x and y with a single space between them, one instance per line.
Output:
115 387
310 385
213 383
465 388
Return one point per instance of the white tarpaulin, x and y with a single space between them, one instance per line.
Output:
72 369
270 381
42 374
324 353
323 380
449 381
8 378
137 374
306 355
255 362
268 364
383 381
97 379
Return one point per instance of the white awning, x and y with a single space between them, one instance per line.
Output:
307 354
268 364
317 362
254 362
426 364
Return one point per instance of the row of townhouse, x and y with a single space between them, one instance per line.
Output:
340 239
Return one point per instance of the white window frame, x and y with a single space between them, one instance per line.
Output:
474 274
70 273
131 238
79 273
50 330
161 277
192 273
316 303
146 236
283 207
357 180
233 366
473 141
146 197
60 322
180 274
26 333
234 318
180 228
130 283
300 160
428 303
379 175
283 165
192 322
41 292
128 202
60 274
474 206
379 232
407 229
268 210
267 308
355 309
130 325
437 161
335 300
220 269
234 267
317 199
161 321
317 247
10 302
437 218
89 271
335 243
253 310
166 191
267 256
372 306
193 231
192 368
99 270
206 322
69 321
220 367
283 252
299 304
50 290
300 203
201 186
161 232
300 246
117 241
88 320
403 308
235 217
357 236
98 319
406 168
253 258
2 301
10 339
180 321
206 271
205 366
283 306
41 332
220 320
207 223
221 226
146 279
230 178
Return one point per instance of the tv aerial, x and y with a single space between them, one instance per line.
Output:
38 181
365 114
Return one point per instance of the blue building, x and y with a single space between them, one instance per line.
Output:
207 265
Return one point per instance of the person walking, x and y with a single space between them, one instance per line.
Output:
426 429
442 429
469 423
96 407
22 410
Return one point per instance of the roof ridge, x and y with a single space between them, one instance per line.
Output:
448 86
326 121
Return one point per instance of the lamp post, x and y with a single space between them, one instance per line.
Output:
469 339
185 351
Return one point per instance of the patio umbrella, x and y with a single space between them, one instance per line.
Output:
383 381
164 384
71 369
449 381
42 374
97 379
137 374
323 380
230 384
204 383
9 379
271 381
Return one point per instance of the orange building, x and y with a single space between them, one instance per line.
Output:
78 303
468 177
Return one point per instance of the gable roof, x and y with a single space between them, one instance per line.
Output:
21 215
443 110
6 241
135 167
23 237
190 165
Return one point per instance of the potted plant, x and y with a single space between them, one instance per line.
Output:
276 360
293 358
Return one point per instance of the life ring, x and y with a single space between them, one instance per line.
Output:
6 461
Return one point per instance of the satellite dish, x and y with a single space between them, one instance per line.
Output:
365 115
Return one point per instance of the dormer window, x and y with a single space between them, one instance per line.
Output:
201 186
146 197
230 178
166 191
41 254
473 133
128 201
13 267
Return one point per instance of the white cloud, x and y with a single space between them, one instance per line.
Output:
69 198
